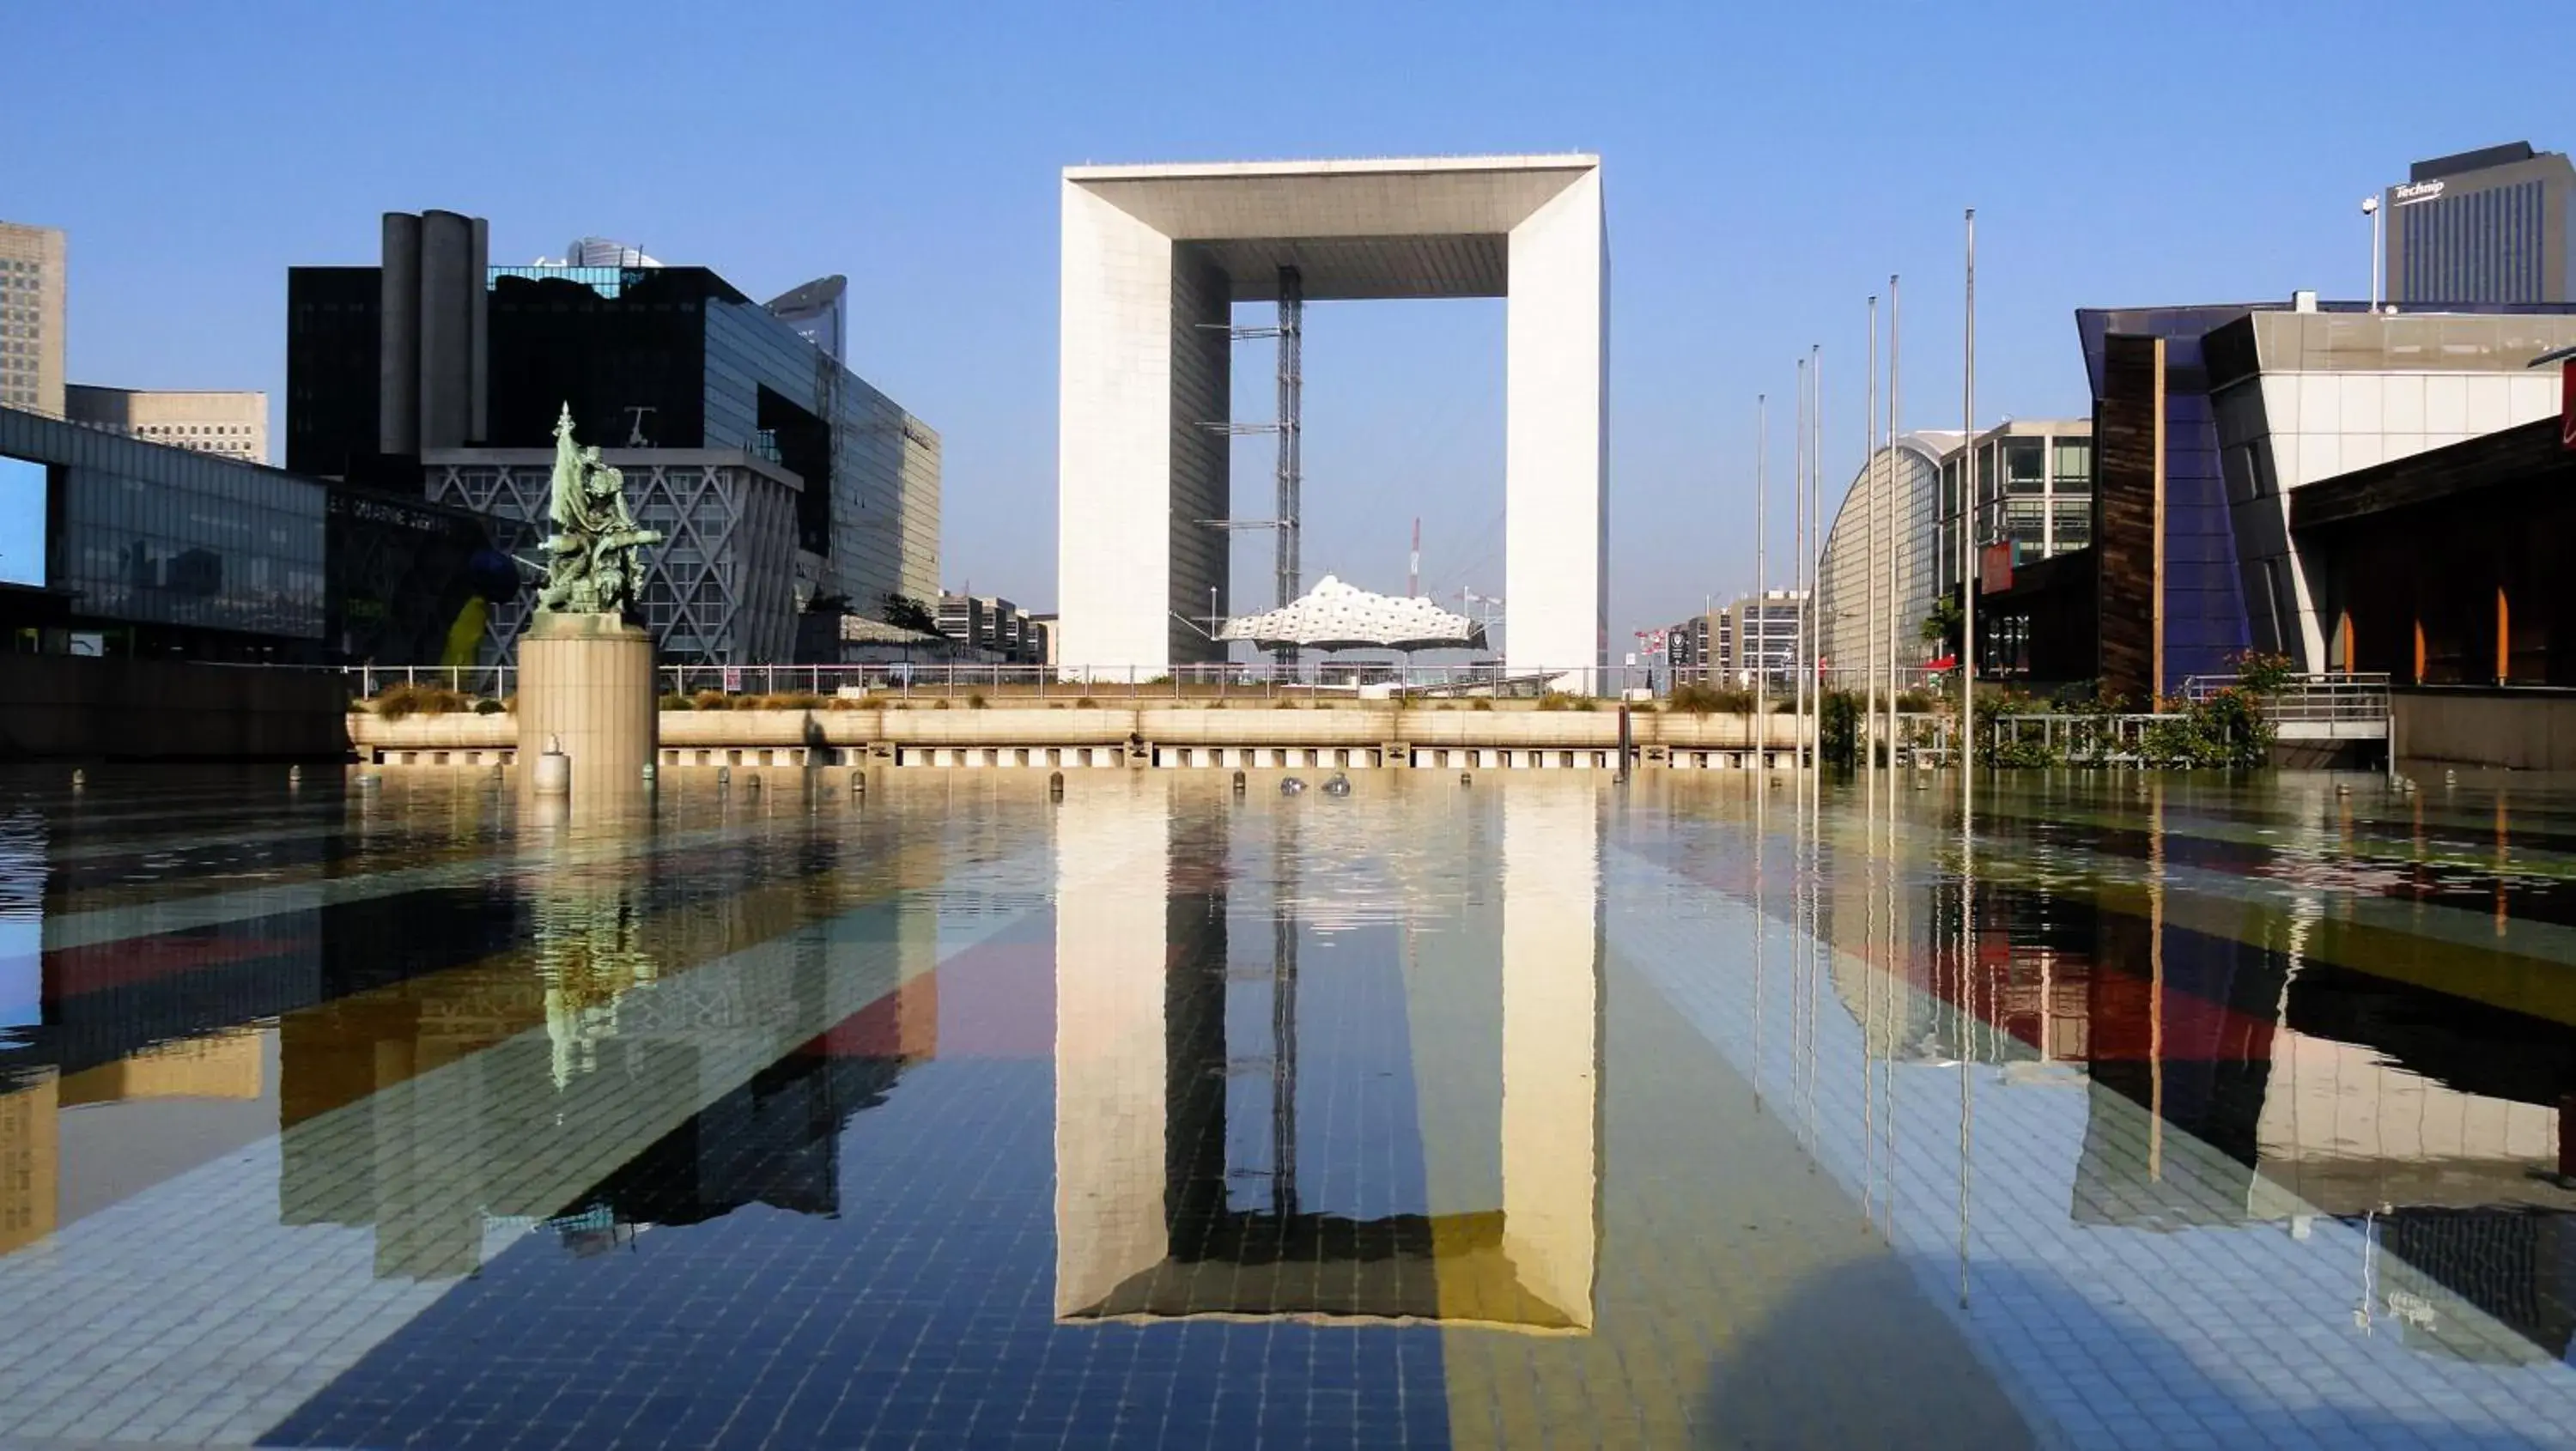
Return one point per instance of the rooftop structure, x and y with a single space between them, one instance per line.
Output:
1338 616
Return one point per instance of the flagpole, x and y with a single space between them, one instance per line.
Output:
1798 574
1761 576
1895 523
1968 542
1869 566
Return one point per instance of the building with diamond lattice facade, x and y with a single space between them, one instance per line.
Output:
718 589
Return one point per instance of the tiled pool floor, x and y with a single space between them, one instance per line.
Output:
1535 1112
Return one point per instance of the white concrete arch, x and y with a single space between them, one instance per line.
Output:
1152 255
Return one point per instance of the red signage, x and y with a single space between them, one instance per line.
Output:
1994 568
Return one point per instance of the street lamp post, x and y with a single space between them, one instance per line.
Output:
2378 251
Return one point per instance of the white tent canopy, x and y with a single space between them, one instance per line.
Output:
1337 616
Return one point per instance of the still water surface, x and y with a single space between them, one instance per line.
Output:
1537 1111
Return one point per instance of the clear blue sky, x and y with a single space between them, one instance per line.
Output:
1766 168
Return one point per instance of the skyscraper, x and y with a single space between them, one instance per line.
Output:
31 317
2483 226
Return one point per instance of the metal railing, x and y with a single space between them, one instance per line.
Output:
2309 698
1003 683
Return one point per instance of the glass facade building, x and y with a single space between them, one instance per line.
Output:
1891 509
2034 491
169 551
232 548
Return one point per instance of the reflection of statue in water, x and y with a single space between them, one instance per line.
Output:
594 557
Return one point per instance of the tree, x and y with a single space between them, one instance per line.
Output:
906 613
1941 626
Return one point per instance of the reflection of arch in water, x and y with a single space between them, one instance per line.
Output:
1144 1227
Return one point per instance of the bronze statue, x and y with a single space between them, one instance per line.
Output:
594 557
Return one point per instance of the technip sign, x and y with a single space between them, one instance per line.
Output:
2413 192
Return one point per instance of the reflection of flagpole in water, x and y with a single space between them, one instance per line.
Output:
1869 968
1761 924
2156 981
1283 1021
1966 997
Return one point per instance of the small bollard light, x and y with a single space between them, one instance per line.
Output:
1055 785
1238 783
652 773
724 777
554 770
1466 779
858 784
295 775
80 778
751 783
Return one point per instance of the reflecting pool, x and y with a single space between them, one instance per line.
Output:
1530 1110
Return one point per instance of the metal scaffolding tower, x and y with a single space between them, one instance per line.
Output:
1292 323
1290 331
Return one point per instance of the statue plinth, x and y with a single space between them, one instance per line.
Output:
586 685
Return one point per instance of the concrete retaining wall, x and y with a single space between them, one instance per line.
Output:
2526 730
69 707
1241 737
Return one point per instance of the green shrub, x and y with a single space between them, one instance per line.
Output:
1482 702
487 707
1084 702
676 702
712 700
1700 698
1564 700
2262 673
1838 727
396 701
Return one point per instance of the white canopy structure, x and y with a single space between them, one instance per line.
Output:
1337 616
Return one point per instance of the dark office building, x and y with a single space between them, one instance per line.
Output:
406 364
2484 226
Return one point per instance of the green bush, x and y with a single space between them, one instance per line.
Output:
1698 698
676 702
396 701
2263 674
712 700
1838 727
1564 700
488 707
975 701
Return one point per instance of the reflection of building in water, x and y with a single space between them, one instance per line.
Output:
675 1041
35 1197
1146 1225
2231 1079
29 1161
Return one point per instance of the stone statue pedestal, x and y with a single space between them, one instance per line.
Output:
586 682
